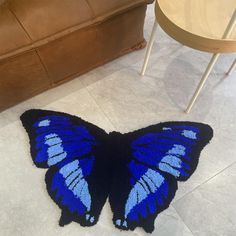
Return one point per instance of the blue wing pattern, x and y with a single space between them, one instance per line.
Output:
149 190
161 155
57 138
70 188
65 145
138 170
170 150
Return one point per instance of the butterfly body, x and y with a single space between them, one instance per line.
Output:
136 171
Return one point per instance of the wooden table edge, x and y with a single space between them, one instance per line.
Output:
192 40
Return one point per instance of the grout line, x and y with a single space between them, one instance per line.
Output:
183 222
103 112
194 190
204 183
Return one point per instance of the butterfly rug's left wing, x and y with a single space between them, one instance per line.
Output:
77 175
156 158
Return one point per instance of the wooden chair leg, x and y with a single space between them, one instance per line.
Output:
203 80
149 48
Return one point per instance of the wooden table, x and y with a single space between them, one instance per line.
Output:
206 25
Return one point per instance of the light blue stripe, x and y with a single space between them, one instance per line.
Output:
68 168
142 194
118 222
172 160
73 176
125 224
177 150
54 160
138 193
44 123
51 136
144 185
189 134
53 141
166 168
81 191
78 186
55 150
166 128
76 182
155 177
151 185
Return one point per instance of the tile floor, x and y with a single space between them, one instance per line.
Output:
116 97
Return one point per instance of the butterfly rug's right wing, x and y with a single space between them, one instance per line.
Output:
77 176
156 158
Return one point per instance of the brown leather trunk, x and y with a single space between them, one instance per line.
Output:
34 59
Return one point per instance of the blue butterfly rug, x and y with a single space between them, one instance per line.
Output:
137 171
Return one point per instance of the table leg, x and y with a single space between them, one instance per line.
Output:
231 69
203 80
149 48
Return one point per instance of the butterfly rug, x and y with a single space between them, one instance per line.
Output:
137 171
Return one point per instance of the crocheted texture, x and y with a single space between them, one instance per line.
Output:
138 171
